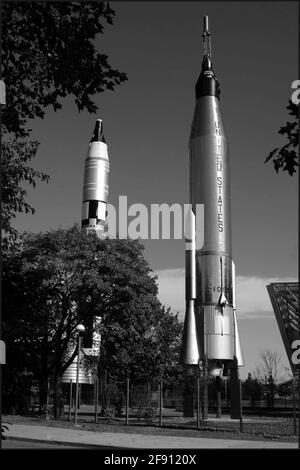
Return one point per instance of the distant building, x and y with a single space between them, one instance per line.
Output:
284 297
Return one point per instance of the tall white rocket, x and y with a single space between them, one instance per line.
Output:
210 329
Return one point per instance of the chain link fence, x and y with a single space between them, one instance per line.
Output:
157 403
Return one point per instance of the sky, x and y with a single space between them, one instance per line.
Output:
147 121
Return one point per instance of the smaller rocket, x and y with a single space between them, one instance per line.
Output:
190 353
95 184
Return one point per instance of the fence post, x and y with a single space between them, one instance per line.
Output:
205 389
96 393
160 401
70 399
198 402
127 401
241 406
294 407
219 398
48 399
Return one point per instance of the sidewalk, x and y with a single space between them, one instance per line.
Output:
108 440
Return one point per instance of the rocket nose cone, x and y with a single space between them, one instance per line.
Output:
98 135
207 65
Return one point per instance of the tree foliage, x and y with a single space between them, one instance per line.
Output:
253 389
270 367
285 157
48 53
61 278
15 171
140 341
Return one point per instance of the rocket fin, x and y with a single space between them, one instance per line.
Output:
223 301
190 350
238 349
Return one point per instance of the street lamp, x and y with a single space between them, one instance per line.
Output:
80 329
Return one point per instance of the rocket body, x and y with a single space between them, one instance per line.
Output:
94 214
95 185
209 184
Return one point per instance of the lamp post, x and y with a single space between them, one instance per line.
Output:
80 329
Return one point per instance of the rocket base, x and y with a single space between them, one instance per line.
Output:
235 392
188 393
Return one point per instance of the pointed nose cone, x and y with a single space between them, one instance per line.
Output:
190 351
98 135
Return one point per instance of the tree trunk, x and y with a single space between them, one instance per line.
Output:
58 404
103 390
188 393
43 391
43 378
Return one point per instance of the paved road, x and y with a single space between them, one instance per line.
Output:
16 444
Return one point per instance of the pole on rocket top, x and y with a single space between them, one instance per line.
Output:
206 38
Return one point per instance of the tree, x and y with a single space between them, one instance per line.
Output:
285 157
269 371
48 53
289 386
140 341
253 389
270 365
60 278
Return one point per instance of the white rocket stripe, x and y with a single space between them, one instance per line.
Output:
85 210
101 211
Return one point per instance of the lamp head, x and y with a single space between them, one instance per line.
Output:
80 328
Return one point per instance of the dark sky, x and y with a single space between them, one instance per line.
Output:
147 122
